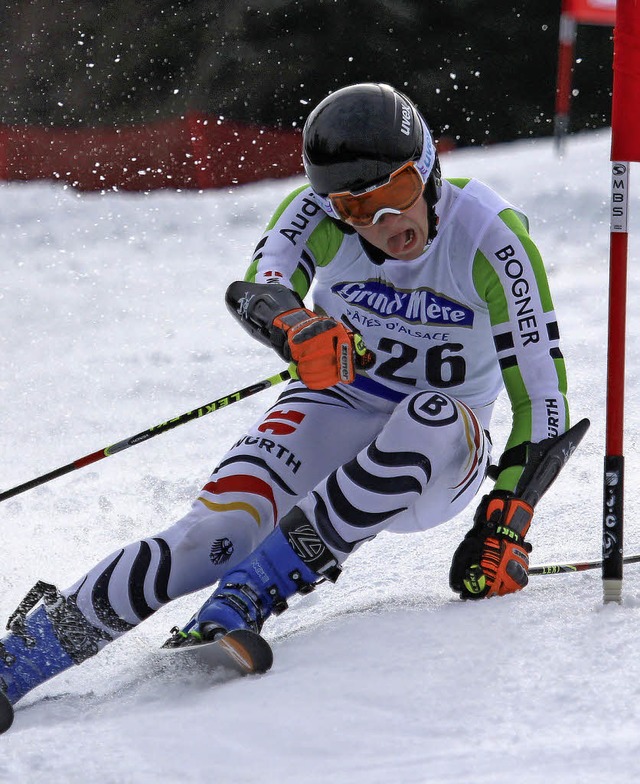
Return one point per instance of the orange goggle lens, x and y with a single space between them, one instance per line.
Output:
402 191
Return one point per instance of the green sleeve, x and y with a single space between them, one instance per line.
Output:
549 382
295 243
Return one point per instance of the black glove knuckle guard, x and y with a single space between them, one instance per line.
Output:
256 305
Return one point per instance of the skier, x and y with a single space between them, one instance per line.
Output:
449 294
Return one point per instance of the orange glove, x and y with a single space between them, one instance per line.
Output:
493 558
321 347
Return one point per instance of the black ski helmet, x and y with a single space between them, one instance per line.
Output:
359 135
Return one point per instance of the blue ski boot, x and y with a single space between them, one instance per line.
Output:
44 642
292 559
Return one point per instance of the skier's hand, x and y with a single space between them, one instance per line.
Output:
492 559
321 347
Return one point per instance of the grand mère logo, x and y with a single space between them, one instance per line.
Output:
418 306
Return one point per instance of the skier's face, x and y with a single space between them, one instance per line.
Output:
402 236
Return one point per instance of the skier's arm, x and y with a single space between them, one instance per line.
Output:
510 278
493 557
321 347
298 239
269 302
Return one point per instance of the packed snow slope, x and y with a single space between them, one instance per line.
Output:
112 320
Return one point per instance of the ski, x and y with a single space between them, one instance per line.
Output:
6 713
241 651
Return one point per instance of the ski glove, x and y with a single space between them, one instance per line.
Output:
321 347
492 559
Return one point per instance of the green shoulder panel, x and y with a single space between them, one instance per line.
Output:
276 215
485 278
323 245
325 241
459 182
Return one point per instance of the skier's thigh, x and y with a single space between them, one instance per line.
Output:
458 451
424 466
276 462
301 439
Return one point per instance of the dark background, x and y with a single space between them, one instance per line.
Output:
481 72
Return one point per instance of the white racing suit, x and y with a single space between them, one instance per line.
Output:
404 448
419 463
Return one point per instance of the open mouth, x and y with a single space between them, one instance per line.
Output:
409 237
402 242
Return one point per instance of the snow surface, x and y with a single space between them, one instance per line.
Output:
112 320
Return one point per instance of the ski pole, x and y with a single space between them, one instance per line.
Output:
578 566
208 408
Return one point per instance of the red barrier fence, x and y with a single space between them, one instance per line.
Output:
574 12
194 151
599 12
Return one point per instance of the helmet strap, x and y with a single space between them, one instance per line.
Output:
376 255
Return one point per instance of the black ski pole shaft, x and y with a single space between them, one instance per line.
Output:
578 566
145 435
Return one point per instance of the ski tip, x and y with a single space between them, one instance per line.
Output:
250 648
244 651
6 713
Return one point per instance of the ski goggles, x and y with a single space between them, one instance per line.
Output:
401 191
